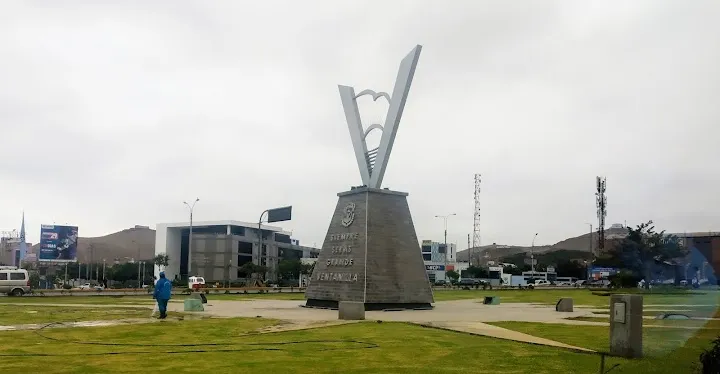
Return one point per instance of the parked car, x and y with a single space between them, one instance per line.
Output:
600 283
539 283
89 286
580 283
565 284
14 281
470 282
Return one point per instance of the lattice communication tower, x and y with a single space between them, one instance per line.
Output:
601 203
476 214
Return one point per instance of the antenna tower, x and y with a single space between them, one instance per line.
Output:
476 214
601 203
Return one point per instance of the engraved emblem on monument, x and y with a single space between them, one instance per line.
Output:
349 216
378 263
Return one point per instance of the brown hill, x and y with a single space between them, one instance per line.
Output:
136 243
578 243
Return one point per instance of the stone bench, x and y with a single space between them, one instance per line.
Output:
565 304
351 310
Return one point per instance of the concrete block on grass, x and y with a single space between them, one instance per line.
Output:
193 305
491 300
565 304
351 310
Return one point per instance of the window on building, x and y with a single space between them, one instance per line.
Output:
282 238
245 248
237 230
242 260
441 248
427 248
427 256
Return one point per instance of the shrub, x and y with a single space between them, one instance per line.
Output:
624 279
710 358
66 286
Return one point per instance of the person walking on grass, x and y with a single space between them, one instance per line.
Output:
162 293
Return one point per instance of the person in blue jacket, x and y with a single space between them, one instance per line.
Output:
163 291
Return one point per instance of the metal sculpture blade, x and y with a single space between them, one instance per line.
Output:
373 163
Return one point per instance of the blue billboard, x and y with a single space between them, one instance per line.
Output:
58 243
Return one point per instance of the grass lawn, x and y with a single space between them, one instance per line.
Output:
580 296
667 350
21 314
100 300
367 347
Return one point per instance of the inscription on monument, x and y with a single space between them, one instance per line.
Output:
337 277
344 236
341 249
339 262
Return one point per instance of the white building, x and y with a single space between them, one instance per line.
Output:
439 259
219 248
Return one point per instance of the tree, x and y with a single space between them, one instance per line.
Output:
307 269
161 260
643 249
453 275
289 269
571 269
250 269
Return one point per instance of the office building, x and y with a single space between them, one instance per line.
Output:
220 248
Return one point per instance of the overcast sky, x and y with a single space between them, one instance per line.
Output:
114 112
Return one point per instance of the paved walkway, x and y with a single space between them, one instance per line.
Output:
466 316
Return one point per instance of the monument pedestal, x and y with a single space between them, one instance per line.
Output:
371 255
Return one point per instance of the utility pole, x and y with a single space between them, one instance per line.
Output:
66 278
592 255
532 255
191 207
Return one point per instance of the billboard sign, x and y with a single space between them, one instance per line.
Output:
280 214
58 243
434 267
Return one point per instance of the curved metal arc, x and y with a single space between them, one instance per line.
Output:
375 95
371 128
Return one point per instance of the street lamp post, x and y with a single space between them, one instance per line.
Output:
445 218
592 255
532 254
191 207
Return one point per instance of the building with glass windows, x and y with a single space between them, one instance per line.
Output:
438 259
220 248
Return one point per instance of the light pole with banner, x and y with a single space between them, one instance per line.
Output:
273 215
445 218
191 207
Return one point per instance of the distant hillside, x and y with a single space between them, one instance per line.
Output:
549 258
579 243
136 243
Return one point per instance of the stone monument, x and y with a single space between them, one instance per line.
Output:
371 253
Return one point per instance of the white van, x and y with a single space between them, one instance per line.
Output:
14 281
195 283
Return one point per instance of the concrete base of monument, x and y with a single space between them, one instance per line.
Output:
370 254
332 304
